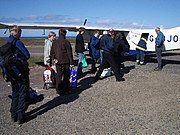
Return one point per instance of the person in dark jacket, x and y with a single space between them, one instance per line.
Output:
95 49
140 50
101 51
79 49
119 44
108 56
20 87
61 53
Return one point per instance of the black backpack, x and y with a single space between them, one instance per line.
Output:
12 66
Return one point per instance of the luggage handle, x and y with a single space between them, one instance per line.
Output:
72 68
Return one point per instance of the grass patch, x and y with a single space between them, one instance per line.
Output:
33 61
27 41
33 41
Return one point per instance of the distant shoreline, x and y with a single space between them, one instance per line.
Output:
34 41
40 37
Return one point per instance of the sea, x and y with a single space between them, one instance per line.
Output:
41 37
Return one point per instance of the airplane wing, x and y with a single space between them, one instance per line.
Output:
73 28
3 26
88 30
131 36
37 26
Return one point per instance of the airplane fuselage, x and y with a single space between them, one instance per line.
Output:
172 40
172 36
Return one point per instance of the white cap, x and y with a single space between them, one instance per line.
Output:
104 32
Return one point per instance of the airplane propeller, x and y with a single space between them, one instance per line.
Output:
85 22
5 31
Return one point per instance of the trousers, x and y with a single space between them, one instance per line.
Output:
62 78
159 57
109 61
20 95
140 56
80 58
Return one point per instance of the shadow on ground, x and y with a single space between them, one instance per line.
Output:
151 58
50 105
84 84
40 63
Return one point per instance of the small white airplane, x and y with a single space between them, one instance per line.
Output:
133 36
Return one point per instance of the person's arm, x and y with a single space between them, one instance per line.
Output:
69 51
52 52
160 39
79 40
79 43
22 49
82 43
47 51
111 45
95 41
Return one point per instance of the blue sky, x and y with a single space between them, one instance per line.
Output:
109 13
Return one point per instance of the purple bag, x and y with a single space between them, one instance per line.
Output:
73 78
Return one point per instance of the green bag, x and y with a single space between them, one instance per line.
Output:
84 63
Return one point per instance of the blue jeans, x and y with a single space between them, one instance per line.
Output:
80 57
101 55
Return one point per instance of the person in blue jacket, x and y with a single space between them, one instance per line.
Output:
159 42
109 60
20 87
140 50
94 49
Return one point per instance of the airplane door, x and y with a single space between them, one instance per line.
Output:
145 35
133 38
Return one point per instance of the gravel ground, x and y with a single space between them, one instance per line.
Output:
146 103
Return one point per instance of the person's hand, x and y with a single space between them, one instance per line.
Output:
48 64
55 61
48 61
71 66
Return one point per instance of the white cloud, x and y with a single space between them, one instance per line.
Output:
52 19
118 24
65 19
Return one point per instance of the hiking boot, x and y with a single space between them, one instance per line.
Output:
22 121
142 64
157 69
98 78
120 80
58 92
65 93
14 119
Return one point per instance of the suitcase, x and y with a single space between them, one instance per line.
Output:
48 78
